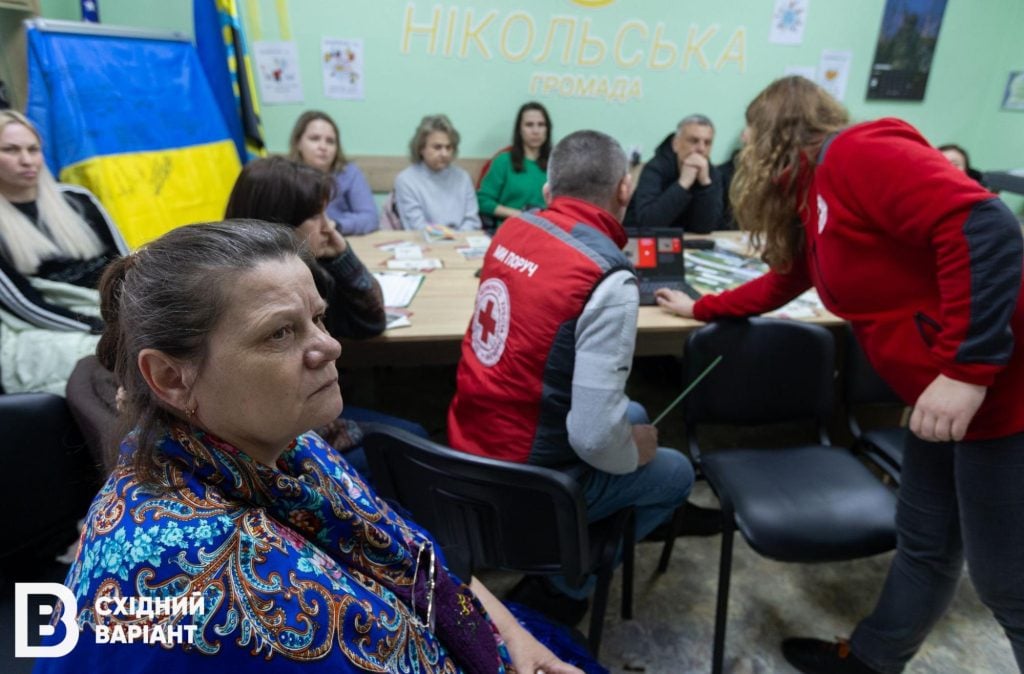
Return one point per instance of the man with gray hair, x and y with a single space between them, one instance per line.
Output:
679 187
549 347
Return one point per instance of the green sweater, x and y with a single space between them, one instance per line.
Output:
503 186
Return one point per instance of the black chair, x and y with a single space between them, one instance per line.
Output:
799 503
865 391
490 514
51 477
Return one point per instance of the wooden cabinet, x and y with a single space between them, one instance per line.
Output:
13 54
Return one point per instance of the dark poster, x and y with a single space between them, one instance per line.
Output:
906 44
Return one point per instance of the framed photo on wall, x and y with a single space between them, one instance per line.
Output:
906 44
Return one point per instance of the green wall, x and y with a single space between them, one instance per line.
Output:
480 82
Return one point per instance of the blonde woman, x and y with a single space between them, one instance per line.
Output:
47 230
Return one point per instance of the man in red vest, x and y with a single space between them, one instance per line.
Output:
550 345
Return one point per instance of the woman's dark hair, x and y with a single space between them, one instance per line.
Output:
170 295
304 120
956 148
278 189
518 152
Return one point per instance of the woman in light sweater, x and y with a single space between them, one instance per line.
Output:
432 191
315 141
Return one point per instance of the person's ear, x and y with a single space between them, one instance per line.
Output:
624 190
168 379
546 191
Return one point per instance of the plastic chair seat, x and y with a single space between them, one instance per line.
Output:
813 503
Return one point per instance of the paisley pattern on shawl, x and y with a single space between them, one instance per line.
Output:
299 563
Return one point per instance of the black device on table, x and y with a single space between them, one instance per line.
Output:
657 258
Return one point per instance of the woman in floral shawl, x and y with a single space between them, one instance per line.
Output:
226 529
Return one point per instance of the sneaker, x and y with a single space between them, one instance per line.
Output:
816 656
695 521
537 593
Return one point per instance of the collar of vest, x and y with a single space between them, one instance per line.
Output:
587 213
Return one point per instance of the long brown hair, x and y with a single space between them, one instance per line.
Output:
788 123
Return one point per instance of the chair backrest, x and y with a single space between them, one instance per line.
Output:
485 513
389 220
772 370
51 476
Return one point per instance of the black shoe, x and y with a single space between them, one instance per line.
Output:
815 656
694 521
537 593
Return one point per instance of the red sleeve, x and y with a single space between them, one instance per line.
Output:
889 174
762 294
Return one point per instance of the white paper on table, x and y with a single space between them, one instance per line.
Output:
409 251
398 289
478 241
421 264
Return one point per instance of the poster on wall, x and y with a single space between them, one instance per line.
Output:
1013 98
277 70
788 21
342 63
906 44
834 72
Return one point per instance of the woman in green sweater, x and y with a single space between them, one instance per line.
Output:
516 177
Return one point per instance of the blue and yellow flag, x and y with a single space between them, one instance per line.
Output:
220 42
133 120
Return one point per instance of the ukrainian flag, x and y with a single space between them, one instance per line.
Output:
132 118
220 42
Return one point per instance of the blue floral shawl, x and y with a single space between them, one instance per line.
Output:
300 566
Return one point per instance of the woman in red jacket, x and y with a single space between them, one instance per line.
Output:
926 266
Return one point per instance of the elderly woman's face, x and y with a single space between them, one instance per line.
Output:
270 372
437 152
21 160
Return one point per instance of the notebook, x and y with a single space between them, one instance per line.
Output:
657 257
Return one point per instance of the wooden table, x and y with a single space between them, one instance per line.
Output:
442 308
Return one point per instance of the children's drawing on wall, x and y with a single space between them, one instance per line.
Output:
277 71
906 44
1013 98
788 21
342 62
834 72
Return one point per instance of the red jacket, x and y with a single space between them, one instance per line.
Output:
923 262
514 380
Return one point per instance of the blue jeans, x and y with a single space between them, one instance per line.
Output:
957 500
655 490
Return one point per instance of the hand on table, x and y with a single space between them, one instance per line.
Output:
674 302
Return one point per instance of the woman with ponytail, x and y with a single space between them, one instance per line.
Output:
252 542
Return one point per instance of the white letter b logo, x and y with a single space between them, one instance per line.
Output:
22 649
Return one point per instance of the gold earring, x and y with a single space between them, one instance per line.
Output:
191 411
